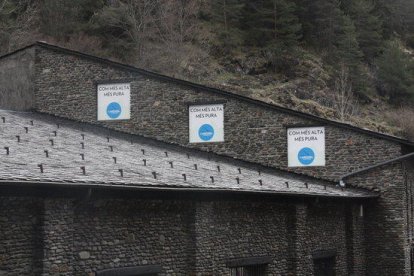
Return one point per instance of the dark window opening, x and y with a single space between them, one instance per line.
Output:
250 266
324 266
412 259
149 270
251 270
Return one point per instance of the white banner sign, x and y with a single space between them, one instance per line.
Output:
306 146
114 101
206 123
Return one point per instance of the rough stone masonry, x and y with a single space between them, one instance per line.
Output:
197 235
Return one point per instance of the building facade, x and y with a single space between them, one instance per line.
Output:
237 207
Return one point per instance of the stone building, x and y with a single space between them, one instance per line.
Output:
82 195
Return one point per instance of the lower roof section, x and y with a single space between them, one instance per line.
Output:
41 149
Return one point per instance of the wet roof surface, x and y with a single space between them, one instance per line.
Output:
39 148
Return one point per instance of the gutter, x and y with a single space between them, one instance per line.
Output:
402 157
91 186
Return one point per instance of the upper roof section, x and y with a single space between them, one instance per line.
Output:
39 149
73 85
217 91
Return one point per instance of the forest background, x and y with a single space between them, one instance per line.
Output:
346 60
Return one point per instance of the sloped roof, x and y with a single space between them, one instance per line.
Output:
39 148
218 91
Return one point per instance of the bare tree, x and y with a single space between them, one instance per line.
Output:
177 20
403 118
344 102
140 16
134 20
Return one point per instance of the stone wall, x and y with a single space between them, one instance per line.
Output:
185 237
66 86
16 80
20 236
386 224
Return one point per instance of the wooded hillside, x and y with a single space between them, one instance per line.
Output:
350 60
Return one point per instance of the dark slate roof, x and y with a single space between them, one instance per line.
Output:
218 91
32 142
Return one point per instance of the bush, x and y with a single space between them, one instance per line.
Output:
403 118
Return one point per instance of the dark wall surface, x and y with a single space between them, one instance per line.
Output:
66 86
20 236
184 237
17 80
386 220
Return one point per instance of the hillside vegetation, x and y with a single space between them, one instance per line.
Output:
347 60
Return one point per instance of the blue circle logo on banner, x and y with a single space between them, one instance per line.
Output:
306 156
206 132
113 110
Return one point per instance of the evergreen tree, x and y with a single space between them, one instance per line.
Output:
346 46
327 22
368 26
395 76
347 53
306 16
274 23
225 17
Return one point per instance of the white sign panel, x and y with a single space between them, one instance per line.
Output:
306 146
114 101
206 123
